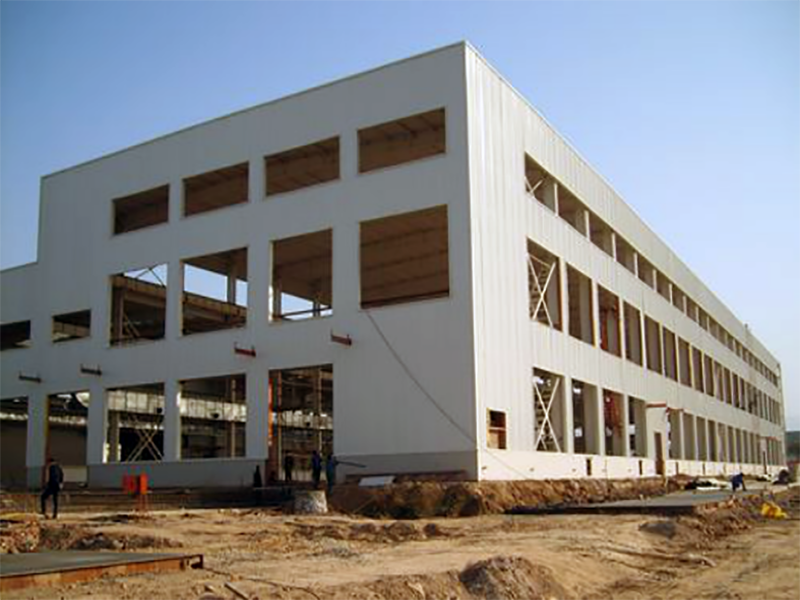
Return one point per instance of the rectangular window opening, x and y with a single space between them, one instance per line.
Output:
214 295
15 335
633 334
608 305
141 210
213 415
401 141
216 189
138 305
689 437
702 318
539 183
685 362
625 254
647 272
702 439
404 258
670 358
135 426
663 286
302 167
72 326
544 286
13 441
652 335
637 427
572 210
601 235
678 298
697 369
302 277
615 420
548 411
496 437
710 379
691 309
579 293
585 418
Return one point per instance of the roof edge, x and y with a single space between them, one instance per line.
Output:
461 43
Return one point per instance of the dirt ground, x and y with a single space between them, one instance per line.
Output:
728 553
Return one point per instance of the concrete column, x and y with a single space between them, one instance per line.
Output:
622 445
96 425
568 419
348 154
256 182
562 265
175 200
594 310
587 225
36 439
230 291
172 420
614 245
256 434
174 326
636 263
623 338
642 338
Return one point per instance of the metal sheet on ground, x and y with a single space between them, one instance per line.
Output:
53 568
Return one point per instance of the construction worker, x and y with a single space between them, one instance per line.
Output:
330 471
288 467
55 481
316 468
737 481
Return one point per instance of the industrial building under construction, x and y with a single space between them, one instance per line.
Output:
408 268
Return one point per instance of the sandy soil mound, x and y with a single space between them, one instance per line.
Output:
412 500
510 577
78 538
497 578
386 533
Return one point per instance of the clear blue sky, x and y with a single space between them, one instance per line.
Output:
691 110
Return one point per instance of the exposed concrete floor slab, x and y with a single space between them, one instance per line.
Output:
684 502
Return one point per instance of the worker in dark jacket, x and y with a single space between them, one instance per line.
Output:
55 481
316 468
330 471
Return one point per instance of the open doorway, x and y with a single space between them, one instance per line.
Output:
67 420
13 441
301 420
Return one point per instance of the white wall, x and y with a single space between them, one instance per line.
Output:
502 128
378 409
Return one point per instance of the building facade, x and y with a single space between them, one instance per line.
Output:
407 267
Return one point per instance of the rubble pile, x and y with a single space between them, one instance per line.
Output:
414 500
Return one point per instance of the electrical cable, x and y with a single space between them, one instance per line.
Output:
433 401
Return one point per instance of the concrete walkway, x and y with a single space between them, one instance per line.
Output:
684 502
